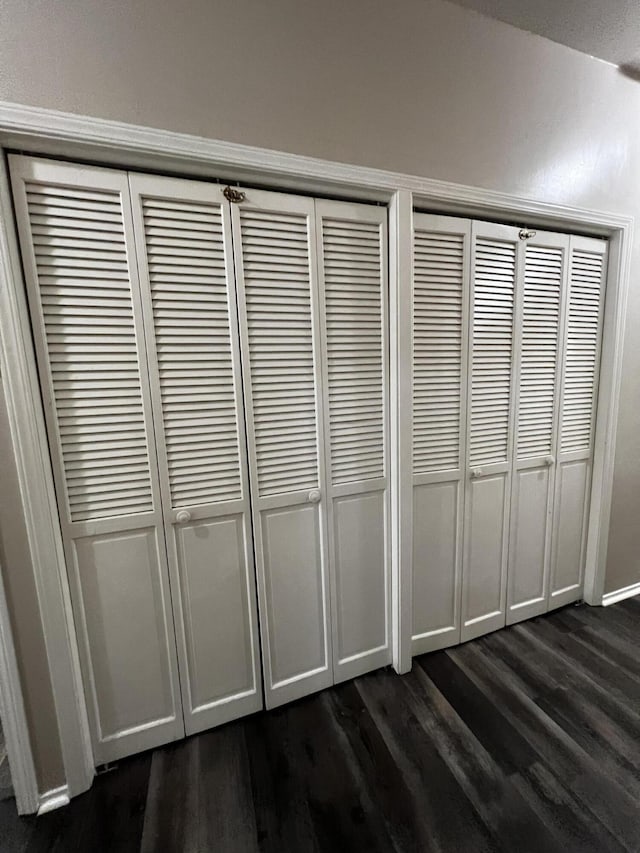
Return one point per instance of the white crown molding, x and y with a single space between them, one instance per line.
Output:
22 125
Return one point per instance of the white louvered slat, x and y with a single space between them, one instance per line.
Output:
275 261
581 349
491 364
190 302
353 315
437 350
539 350
85 295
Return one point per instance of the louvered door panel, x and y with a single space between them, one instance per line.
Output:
582 347
440 342
352 255
539 314
85 296
274 249
275 257
491 367
77 243
537 397
438 312
580 368
352 264
496 264
186 264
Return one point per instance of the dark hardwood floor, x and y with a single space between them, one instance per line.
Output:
525 740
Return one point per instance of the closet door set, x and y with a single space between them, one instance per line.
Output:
215 379
506 352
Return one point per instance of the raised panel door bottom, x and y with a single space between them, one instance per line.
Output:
528 546
361 584
436 599
295 591
217 612
485 569
130 642
568 552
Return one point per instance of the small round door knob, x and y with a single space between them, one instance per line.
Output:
549 460
314 496
183 516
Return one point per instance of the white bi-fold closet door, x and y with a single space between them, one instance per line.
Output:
134 319
313 325
185 262
506 337
166 518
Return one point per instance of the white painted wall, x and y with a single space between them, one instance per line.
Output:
417 86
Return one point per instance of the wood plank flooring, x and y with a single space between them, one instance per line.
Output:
525 740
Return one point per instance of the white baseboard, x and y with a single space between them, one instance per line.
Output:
54 799
620 594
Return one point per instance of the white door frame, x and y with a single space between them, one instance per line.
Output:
53 133
35 477
14 718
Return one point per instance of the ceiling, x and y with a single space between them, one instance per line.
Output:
608 29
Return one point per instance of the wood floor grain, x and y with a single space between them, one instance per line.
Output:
525 740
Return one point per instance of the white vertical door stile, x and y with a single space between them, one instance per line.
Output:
76 236
496 267
576 416
185 260
274 246
440 310
352 280
538 342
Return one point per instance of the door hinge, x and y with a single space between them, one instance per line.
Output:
232 195
525 234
